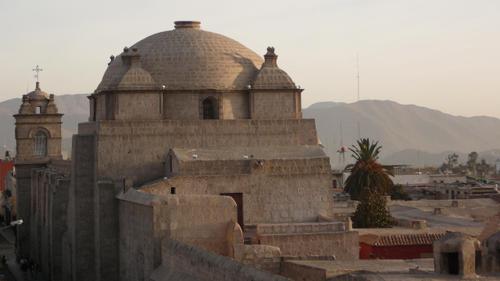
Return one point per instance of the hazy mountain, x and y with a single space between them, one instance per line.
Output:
409 134
422 158
403 130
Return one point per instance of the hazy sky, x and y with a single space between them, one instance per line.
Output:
443 54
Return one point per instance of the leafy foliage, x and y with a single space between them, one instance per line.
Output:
367 173
372 211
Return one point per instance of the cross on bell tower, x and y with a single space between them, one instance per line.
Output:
37 69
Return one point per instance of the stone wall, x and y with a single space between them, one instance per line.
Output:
23 206
139 252
146 219
297 271
106 230
274 105
139 106
235 106
280 198
341 245
190 263
49 201
182 106
138 148
81 209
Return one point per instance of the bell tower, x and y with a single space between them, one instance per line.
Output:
38 142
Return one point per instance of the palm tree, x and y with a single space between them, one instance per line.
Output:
369 182
367 173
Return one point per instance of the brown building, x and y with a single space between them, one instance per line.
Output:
192 139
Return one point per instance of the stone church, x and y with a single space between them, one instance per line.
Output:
195 164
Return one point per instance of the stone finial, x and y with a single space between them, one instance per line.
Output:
37 86
270 58
131 57
51 106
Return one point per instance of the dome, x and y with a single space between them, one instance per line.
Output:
271 76
188 58
37 94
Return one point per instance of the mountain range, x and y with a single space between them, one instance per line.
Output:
409 134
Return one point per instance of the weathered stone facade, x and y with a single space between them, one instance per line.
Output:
191 137
38 142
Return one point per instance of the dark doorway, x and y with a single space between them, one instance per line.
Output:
498 255
478 261
450 263
238 198
210 108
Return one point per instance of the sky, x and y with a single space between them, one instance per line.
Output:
442 54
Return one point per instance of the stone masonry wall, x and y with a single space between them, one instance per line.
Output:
342 245
106 231
81 209
138 106
139 252
139 148
235 106
190 263
200 220
146 219
274 105
283 197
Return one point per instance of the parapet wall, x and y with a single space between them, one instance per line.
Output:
138 148
189 263
338 245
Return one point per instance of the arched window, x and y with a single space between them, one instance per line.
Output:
40 144
210 108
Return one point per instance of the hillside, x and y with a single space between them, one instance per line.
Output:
404 128
409 134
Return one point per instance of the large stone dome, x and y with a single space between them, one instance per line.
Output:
188 58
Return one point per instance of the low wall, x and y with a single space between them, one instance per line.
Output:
300 228
302 272
343 245
189 263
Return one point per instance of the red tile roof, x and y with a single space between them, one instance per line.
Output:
405 239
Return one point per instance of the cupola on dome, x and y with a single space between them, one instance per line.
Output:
37 94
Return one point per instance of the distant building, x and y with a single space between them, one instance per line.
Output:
6 166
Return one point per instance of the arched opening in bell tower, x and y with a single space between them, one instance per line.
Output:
40 144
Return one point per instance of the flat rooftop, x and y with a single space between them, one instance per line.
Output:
380 270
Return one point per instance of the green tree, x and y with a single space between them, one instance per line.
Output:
367 173
372 211
472 163
369 182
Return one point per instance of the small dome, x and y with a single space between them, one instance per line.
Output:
188 58
270 76
37 94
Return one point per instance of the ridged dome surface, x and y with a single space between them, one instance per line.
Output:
190 59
